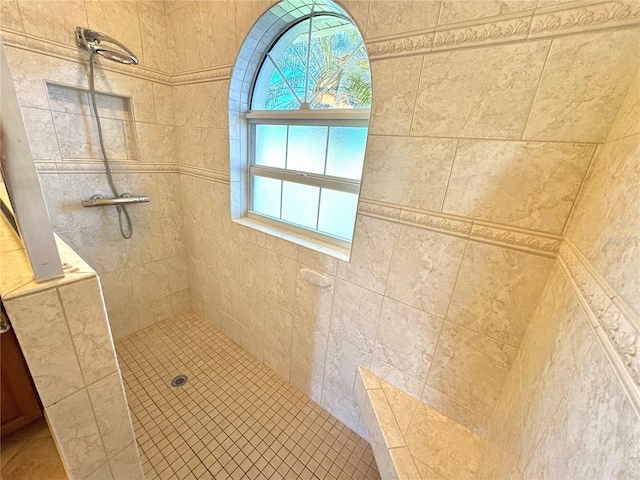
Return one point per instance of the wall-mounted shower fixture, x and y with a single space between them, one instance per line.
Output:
94 42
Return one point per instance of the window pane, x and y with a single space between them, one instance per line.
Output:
300 204
307 148
265 196
337 213
271 145
345 154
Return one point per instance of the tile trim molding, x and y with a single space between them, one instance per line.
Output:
616 326
531 24
131 167
529 241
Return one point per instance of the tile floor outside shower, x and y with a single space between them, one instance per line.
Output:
234 419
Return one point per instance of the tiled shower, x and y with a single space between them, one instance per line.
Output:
494 270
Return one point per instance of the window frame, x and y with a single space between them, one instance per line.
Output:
349 117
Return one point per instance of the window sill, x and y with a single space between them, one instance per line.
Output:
296 238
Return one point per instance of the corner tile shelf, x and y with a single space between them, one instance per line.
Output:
412 441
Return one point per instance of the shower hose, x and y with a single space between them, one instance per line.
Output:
122 210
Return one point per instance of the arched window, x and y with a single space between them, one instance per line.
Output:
307 127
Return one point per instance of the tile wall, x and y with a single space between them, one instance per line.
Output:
64 335
485 122
474 161
570 408
144 279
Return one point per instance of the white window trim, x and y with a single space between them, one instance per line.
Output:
330 117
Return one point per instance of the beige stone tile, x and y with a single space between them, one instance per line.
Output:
309 348
402 405
126 464
10 15
306 380
494 102
525 184
369 380
87 320
552 351
454 11
278 361
584 83
425 472
504 439
156 143
392 17
443 445
51 358
155 41
407 338
150 281
280 280
251 266
201 104
251 309
58 24
470 368
281 247
397 378
497 291
455 410
424 268
594 432
216 46
371 251
118 20
117 291
340 405
41 134
603 223
317 260
384 416
163 102
355 314
74 426
125 323
314 303
278 331
246 14
394 95
627 121
343 360
112 414
78 137
410 171
403 463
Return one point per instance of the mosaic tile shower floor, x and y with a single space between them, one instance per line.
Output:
234 419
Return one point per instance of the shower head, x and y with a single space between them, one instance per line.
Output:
93 42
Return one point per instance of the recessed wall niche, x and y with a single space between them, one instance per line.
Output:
76 128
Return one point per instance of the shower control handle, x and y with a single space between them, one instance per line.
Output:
125 199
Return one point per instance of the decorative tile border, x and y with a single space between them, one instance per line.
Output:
130 167
449 224
616 326
529 241
520 239
505 31
519 26
585 18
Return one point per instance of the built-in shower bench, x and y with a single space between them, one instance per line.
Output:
412 441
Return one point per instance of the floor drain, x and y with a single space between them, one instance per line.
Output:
179 381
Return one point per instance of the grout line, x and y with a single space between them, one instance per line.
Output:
535 93
581 188
453 161
415 96
486 139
